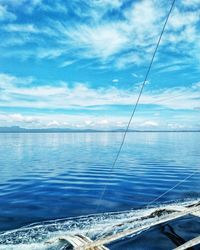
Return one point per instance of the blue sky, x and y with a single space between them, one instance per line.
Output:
80 63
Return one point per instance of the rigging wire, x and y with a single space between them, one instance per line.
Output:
136 104
173 187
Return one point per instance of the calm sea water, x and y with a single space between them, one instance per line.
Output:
50 176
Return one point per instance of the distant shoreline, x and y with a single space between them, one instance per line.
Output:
19 130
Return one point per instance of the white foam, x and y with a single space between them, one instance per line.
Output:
35 236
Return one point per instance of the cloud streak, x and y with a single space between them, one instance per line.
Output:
14 94
5 14
127 40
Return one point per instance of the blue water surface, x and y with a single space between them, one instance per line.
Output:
55 175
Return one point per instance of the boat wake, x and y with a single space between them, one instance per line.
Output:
45 235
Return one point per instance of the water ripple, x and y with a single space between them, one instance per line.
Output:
49 176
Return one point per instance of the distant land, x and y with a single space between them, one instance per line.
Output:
17 129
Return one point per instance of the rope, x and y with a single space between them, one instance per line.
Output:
136 104
170 189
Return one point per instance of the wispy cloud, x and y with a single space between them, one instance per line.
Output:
28 28
93 42
127 40
66 63
5 14
193 3
14 94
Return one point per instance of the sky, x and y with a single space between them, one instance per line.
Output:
80 64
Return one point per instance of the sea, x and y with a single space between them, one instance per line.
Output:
55 181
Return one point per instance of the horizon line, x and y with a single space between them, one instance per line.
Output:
17 129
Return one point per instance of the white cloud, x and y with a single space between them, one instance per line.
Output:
178 20
150 124
29 28
53 124
18 118
89 123
137 75
190 3
115 80
103 122
5 14
108 3
95 9
52 120
59 120
127 41
14 94
144 28
66 63
54 7
166 67
175 126
48 53
101 41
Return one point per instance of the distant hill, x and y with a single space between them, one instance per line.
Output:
12 129
17 129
